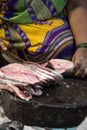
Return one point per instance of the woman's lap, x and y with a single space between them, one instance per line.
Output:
41 41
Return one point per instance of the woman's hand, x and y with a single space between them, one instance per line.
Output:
2 46
80 62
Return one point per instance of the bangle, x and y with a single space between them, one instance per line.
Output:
82 45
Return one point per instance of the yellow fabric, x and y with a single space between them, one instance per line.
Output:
37 32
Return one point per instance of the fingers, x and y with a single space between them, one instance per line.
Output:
80 62
80 67
80 72
2 46
85 73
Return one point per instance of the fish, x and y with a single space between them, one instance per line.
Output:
65 67
28 79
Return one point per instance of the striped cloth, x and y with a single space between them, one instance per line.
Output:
36 30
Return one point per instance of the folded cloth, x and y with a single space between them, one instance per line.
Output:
83 125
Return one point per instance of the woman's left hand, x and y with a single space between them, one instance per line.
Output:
80 62
2 46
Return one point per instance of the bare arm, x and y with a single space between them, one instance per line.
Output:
77 16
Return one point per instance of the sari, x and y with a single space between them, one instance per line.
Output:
36 30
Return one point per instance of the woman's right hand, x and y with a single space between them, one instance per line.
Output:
2 46
80 62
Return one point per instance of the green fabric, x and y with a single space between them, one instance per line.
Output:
59 4
26 9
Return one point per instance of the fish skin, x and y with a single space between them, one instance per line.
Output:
25 89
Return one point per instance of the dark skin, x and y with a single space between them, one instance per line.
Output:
77 16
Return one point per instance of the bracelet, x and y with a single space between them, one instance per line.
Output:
82 45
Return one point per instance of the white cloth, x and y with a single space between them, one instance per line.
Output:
33 128
83 125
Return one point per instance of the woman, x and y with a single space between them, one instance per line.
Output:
39 30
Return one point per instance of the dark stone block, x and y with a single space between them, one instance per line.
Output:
59 106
